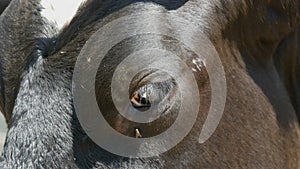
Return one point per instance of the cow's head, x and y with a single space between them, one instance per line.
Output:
256 43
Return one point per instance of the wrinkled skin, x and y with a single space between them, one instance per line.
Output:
258 45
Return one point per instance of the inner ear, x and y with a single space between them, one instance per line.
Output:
3 5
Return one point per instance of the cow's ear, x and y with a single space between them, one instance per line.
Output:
287 60
3 5
20 25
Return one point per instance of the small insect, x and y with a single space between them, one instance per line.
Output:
137 133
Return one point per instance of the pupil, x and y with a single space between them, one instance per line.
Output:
143 100
140 101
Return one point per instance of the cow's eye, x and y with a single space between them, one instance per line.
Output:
140 100
151 94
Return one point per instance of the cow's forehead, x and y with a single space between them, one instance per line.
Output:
62 12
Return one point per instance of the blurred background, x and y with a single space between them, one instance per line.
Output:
3 130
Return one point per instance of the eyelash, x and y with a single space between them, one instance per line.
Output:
150 93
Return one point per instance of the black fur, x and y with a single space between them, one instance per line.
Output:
37 62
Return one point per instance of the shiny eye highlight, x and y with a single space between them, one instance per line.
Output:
152 88
140 100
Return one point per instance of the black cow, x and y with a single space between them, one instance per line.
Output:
257 42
